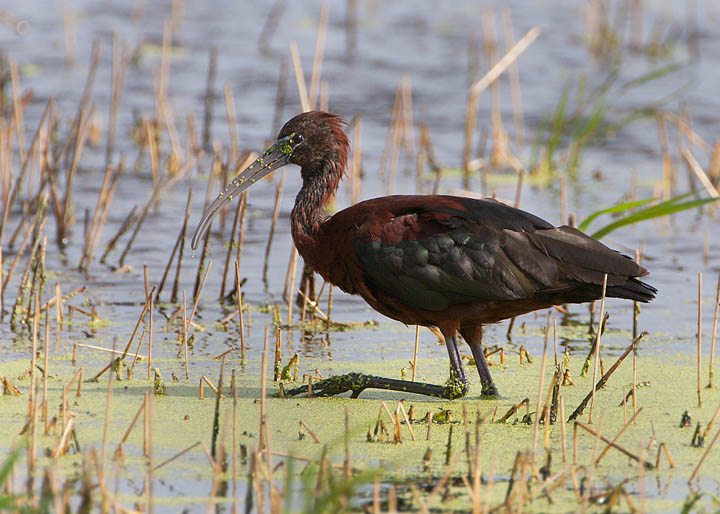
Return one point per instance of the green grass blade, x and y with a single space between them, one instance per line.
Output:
610 210
653 75
664 209
557 126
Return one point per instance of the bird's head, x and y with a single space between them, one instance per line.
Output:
312 140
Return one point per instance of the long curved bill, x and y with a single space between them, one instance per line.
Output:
276 156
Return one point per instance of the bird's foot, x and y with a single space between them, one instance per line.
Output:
489 389
358 382
456 387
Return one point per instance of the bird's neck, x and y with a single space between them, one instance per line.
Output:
319 184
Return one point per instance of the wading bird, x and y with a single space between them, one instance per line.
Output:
445 261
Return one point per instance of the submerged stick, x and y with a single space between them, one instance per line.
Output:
621 449
605 377
617 436
704 456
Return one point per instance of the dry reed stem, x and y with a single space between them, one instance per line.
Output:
10 197
415 353
290 282
199 292
346 460
563 428
106 427
137 325
136 355
318 56
711 366
103 216
22 287
216 416
232 122
329 310
209 97
280 97
299 77
706 432
239 310
77 376
21 250
17 109
518 189
215 389
60 448
499 137
118 450
275 216
117 78
477 87
270 25
150 334
141 218
263 380
150 453
153 151
96 216
236 218
514 75
540 389
178 243
303 426
356 162
598 339
698 171
699 339
407 420
111 350
124 227
663 447
2 303
185 334
80 136
46 367
668 171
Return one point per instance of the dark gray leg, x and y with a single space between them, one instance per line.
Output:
473 337
458 371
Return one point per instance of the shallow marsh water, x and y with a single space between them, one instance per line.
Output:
428 43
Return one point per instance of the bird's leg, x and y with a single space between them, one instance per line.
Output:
473 337
457 372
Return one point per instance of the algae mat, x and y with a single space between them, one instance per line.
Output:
396 455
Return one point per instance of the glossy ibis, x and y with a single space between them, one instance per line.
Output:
446 261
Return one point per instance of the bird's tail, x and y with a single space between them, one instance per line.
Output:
633 289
